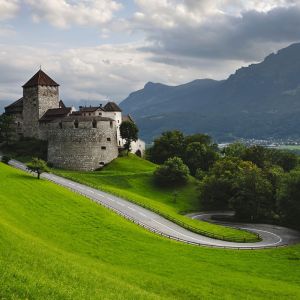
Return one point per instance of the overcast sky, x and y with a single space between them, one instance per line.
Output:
102 49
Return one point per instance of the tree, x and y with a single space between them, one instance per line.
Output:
6 128
168 145
218 187
285 159
198 137
253 195
200 156
129 132
38 166
288 197
235 150
258 155
173 172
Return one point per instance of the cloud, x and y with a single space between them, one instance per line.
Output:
63 13
222 30
94 73
8 9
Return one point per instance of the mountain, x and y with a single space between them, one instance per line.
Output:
259 101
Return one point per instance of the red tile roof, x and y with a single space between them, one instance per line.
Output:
40 78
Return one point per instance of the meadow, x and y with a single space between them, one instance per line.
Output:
131 178
56 244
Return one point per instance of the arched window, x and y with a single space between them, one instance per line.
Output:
76 123
94 123
111 124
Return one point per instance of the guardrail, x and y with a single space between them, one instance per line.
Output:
154 230
228 238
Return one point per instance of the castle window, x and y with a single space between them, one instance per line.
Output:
111 124
19 124
108 139
60 125
76 123
94 123
89 114
103 148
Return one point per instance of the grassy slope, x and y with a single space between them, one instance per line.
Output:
58 245
131 178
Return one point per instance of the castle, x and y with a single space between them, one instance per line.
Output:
84 139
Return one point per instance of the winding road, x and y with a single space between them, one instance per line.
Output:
272 236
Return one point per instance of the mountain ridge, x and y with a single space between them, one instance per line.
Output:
258 101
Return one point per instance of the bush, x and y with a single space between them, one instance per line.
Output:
5 159
50 164
172 172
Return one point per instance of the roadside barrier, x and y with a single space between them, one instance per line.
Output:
154 230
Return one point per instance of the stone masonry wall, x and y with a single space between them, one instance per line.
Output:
82 148
37 100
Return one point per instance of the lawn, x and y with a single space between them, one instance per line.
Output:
132 178
59 245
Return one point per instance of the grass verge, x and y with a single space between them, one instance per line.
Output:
131 178
56 244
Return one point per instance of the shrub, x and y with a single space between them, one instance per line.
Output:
172 172
5 159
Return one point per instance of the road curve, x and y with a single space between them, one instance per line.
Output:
155 222
284 236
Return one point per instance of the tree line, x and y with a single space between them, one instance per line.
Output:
260 184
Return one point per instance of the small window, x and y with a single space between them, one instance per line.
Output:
103 148
60 125
89 114
108 139
111 124
76 123
19 124
101 163
100 114
94 123
118 121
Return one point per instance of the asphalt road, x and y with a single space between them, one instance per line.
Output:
157 223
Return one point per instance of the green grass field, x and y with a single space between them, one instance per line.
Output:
132 178
59 245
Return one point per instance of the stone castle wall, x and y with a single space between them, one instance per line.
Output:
36 101
83 148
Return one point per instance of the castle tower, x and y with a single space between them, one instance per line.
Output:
40 93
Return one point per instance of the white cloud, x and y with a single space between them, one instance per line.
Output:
221 29
63 13
8 9
96 73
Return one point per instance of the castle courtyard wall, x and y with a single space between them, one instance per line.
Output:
83 148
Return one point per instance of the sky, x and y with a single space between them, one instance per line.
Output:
103 50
